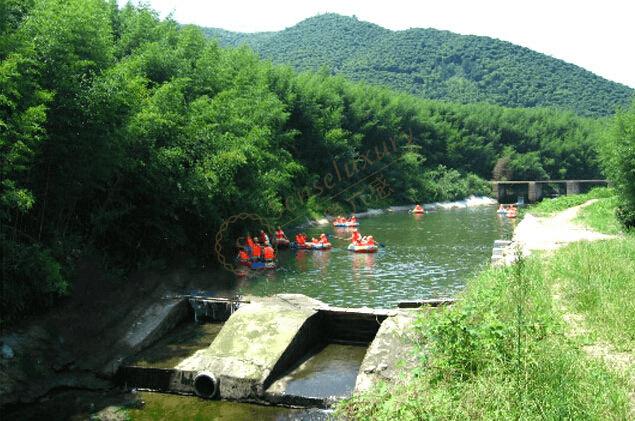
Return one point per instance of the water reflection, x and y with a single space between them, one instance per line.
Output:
301 257
362 263
321 260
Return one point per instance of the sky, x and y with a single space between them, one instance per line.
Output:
596 35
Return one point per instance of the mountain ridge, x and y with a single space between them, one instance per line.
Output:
435 64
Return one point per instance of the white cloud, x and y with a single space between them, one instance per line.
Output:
596 35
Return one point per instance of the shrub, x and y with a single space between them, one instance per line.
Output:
30 277
617 152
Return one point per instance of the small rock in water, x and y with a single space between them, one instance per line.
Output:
7 352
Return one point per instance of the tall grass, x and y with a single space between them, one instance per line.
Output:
600 216
598 282
500 353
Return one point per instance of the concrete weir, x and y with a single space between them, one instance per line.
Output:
258 340
268 339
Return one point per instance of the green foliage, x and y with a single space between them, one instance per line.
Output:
558 204
500 353
601 216
435 64
618 158
31 279
449 184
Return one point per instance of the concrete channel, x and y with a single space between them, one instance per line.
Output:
266 350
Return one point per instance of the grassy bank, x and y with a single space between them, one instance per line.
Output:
600 216
505 352
550 206
598 282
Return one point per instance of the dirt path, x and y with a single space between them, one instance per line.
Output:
551 232
547 234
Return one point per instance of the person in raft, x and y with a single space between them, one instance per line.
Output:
256 251
264 238
324 239
243 256
355 237
268 253
300 239
501 208
249 243
280 234
418 208
353 219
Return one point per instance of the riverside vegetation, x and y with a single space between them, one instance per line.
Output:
504 351
127 140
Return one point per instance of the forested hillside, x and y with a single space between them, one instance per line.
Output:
435 64
132 139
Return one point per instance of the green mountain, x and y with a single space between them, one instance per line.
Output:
435 64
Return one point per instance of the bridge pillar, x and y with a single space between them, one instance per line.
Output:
534 192
497 191
573 187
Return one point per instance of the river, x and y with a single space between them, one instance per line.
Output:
423 256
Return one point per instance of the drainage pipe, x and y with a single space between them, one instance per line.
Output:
205 385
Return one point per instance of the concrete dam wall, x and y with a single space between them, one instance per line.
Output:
265 340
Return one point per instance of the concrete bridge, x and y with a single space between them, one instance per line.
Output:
533 191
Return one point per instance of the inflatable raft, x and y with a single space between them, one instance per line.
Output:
418 212
320 246
305 246
346 224
281 242
243 262
263 265
366 248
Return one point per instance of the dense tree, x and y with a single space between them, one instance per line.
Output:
435 64
618 156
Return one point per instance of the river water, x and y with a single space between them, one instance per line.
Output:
423 256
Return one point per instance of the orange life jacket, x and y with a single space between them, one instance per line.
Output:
279 234
250 242
356 236
269 253
256 250
242 255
